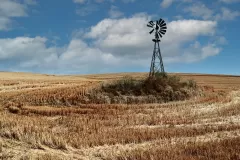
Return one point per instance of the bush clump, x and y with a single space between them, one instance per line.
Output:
162 86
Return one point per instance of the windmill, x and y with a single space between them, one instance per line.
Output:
158 27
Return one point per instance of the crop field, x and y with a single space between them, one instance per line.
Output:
42 117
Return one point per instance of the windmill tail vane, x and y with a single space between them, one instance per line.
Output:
160 29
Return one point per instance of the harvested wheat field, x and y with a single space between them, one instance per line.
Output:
43 117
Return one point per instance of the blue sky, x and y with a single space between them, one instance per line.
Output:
99 36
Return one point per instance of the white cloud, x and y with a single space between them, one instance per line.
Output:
195 52
89 6
78 52
10 9
32 53
130 37
227 14
23 47
185 30
30 2
99 1
179 17
4 23
123 37
128 1
221 40
229 1
86 10
114 12
210 50
26 52
166 3
79 1
199 10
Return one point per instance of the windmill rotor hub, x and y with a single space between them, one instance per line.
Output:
159 27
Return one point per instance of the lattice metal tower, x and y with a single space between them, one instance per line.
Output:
157 63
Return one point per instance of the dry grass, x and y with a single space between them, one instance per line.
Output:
42 117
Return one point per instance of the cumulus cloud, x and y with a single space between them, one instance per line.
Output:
79 55
10 9
24 48
126 42
120 38
197 52
25 53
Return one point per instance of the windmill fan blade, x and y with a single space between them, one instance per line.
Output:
160 34
158 22
151 22
161 21
163 31
151 31
162 25
163 28
151 26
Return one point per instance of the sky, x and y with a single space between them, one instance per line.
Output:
107 36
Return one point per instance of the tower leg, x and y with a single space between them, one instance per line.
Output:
157 62
152 67
160 58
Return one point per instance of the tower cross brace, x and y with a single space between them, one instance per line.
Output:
157 62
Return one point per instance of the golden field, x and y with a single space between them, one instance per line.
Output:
40 118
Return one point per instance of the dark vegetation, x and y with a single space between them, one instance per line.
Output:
161 88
